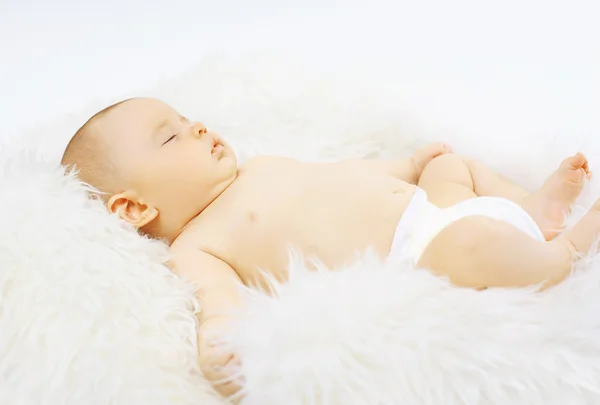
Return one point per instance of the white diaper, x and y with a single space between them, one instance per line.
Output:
422 221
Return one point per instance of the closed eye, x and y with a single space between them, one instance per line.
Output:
170 139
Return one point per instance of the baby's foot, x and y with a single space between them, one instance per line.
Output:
426 154
581 238
550 205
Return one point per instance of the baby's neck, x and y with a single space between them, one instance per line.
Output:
166 233
171 233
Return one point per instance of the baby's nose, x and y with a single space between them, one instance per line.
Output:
199 128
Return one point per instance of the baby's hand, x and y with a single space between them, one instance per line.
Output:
426 154
222 369
219 364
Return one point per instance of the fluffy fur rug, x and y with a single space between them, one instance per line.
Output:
89 314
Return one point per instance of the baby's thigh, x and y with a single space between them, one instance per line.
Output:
447 194
454 245
478 251
447 181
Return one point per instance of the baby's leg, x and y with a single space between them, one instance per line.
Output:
449 179
479 252
487 182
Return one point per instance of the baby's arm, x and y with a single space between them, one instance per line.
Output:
218 295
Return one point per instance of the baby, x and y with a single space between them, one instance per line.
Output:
176 180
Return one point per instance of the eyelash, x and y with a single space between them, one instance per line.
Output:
170 139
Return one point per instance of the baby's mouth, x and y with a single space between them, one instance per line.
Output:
217 148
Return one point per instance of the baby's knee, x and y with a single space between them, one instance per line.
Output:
448 168
445 161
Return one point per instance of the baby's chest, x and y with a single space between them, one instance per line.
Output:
328 223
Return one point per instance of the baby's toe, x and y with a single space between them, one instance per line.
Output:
439 148
577 161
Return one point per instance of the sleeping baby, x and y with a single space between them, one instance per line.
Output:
227 224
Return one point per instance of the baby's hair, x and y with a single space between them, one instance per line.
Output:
88 154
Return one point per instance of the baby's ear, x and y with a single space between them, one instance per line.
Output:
131 210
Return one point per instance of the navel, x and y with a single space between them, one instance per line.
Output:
252 216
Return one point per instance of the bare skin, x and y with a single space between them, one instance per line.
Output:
554 200
472 251
226 223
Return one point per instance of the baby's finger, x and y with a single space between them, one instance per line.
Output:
225 376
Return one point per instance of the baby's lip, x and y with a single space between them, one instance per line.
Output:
217 147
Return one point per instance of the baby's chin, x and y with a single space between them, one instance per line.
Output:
227 164
228 156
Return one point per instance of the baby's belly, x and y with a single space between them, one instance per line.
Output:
332 232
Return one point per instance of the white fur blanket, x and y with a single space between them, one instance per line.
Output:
89 314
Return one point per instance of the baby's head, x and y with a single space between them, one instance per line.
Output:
155 169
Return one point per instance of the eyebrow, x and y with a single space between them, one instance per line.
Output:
165 123
161 125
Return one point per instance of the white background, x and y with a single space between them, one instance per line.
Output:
541 55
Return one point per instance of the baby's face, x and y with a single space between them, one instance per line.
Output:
168 162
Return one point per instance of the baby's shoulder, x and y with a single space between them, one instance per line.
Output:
189 240
204 234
